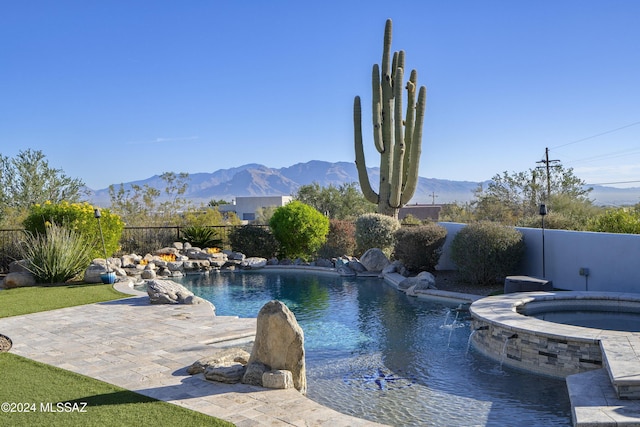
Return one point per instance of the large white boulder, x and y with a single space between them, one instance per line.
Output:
279 345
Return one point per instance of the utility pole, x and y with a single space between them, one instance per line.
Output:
433 197
548 164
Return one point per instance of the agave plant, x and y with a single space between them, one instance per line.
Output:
201 236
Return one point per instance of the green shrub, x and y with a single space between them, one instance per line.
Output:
300 229
201 236
553 220
341 239
486 252
621 220
78 217
254 241
410 220
375 231
419 247
57 255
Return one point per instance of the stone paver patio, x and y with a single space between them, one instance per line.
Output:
147 348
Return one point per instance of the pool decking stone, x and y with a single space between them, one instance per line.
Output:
594 402
147 348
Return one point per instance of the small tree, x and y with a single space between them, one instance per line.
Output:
486 252
27 179
343 202
145 204
299 228
509 198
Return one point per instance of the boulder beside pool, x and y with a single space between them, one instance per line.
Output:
170 292
279 345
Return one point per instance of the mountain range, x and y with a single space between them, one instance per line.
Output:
259 180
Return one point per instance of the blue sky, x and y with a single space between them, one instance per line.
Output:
116 91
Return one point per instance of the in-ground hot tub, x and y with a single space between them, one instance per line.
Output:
609 314
514 329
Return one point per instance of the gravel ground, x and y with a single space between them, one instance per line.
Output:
447 280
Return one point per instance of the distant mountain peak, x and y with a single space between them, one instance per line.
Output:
254 179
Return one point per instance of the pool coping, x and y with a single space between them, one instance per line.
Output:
606 396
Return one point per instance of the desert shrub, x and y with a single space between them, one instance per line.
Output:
410 220
57 255
554 220
203 217
300 229
621 220
254 241
80 218
419 247
341 239
201 236
375 231
486 252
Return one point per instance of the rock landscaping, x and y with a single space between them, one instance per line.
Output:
181 259
276 359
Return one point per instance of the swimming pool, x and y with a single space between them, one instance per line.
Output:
375 353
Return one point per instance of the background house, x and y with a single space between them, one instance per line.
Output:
420 212
246 207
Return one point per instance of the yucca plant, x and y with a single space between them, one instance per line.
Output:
201 236
56 256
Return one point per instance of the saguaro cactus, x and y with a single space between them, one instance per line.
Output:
398 141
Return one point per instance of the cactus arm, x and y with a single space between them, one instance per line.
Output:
399 147
386 52
361 165
416 148
394 65
377 109
409 123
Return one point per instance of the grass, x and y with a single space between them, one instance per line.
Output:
36 384
17 301
25 381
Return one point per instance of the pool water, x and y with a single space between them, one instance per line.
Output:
595 319
375 353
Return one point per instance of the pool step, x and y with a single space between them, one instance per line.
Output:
595 403
621 359
609 396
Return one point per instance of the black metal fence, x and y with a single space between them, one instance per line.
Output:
143 240
139 240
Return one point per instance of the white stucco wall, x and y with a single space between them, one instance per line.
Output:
246 207
613 260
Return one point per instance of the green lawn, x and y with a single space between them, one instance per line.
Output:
42 387
14 302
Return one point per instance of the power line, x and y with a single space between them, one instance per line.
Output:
623 153
597 135
612 183
594 158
